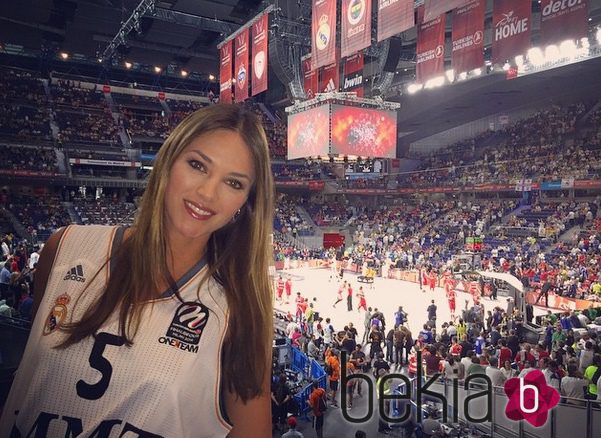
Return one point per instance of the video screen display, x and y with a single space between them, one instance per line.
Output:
309 133
363 132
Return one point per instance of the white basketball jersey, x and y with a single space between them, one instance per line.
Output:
166 385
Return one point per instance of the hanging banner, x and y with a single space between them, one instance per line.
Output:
435 8
260 34
329 78
356 26
323 32
430 49
241 67
310 80
511 26
353 74
225 73
468 37
394 17
563 20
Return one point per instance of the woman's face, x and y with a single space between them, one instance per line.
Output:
208 183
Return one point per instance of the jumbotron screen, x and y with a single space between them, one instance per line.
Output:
309 133
363 132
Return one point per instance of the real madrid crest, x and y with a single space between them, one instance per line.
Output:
57 314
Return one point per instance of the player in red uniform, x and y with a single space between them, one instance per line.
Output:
288 286
280 288
432 277
362 302
449 288
300 306
425 281
475 291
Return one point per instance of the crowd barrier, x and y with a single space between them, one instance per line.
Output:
313 372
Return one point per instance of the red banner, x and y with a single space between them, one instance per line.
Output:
241 67
225 73
430 49
563 20
310 80
468 37
435 8
329 78
260 32
323 31
394 17
512 21
353 74
356 26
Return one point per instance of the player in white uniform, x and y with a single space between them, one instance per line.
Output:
145 331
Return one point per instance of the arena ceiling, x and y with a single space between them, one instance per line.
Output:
87 26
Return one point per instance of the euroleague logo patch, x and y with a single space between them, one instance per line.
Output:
187 327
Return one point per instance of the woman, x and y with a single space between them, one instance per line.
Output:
452 369
150 330
508 371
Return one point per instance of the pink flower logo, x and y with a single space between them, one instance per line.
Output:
530 398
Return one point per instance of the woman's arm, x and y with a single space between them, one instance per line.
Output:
253 418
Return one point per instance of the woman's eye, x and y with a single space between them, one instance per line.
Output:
196 164
235 184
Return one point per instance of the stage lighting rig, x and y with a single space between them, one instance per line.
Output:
132 23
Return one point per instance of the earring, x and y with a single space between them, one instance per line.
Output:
236 215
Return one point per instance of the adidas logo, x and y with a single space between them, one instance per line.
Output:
75 274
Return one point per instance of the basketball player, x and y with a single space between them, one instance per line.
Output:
280 288
449 288
148 334
362 302
432 277
288 286
341 290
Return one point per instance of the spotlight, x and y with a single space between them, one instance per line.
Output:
414 88
64 55
519 60
450 75
535 56
211 77
128 65
184 73
157 69
552 53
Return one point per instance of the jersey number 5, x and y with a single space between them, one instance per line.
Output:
100 363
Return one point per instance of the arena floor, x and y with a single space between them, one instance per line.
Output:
386 295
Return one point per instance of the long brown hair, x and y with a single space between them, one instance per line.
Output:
238 256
